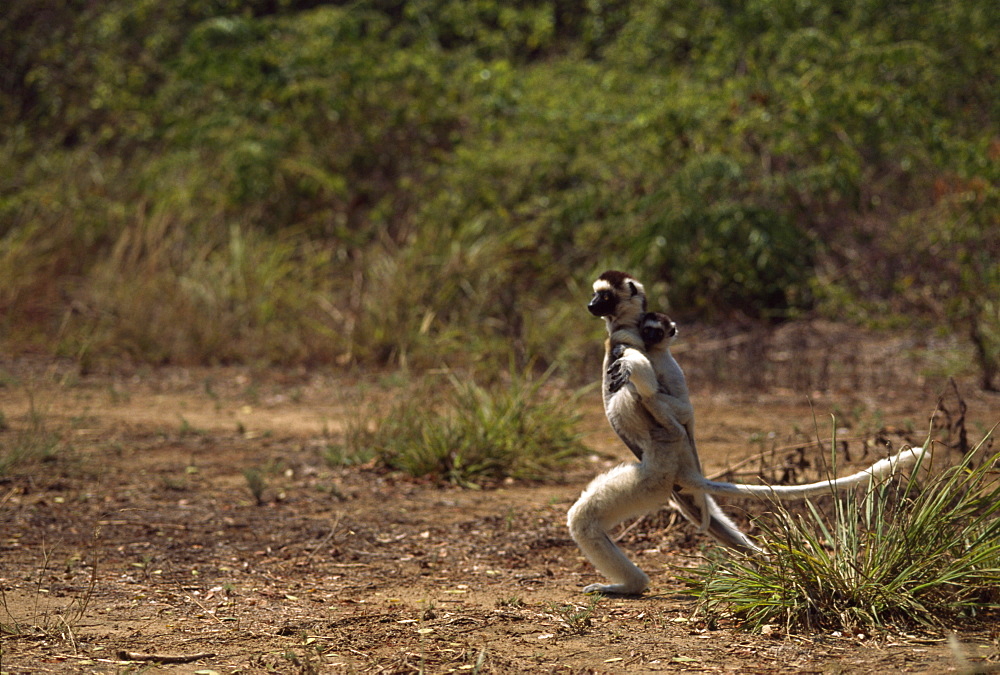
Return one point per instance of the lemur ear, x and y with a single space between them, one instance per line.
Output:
673 329
635 291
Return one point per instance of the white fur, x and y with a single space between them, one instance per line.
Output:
623 492
880 469
633 489
662 388
652 414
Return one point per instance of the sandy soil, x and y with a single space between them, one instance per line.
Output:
138 537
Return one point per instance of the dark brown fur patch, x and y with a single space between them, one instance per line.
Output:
615 278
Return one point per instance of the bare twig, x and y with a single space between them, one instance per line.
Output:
959 425
7 496
819 443
164 658
72 638
328 537
88 596
625 531
18 628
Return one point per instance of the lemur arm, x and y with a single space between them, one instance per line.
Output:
634 367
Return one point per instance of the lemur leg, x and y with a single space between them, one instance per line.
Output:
628 490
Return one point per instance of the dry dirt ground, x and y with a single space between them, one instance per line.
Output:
138 538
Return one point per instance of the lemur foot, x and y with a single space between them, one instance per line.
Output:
613 589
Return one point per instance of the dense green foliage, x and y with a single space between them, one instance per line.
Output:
375 182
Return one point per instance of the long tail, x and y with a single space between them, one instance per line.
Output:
720 527
877 470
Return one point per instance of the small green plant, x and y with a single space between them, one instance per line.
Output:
478 434
175 483
307 663
574 619
512 602
901 554
188 429
33 442
144 565
257 484
480 661
352 453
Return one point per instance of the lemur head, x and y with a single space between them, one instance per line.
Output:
617 296
657 329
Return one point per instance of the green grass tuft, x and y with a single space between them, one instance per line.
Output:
26 445
902 554
471 434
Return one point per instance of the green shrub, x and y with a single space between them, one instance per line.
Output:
470 435
946 264
418 178
899 555
728 257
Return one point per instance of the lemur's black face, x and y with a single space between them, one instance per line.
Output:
610 290
656 328
652 333
603 303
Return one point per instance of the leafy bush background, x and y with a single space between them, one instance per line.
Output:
429 182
